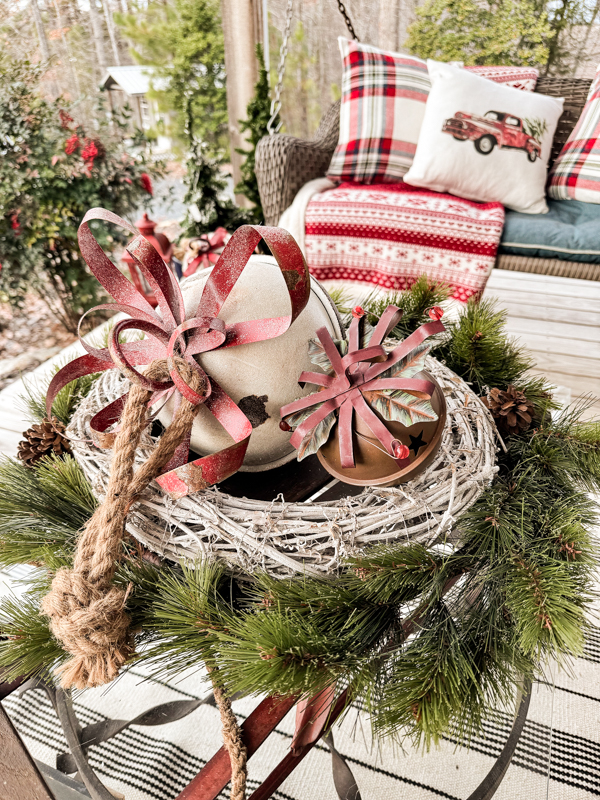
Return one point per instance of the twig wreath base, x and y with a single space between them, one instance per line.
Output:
311 537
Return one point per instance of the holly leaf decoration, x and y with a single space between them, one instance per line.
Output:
410 365
367 332
318 356
317 437
293 420
399 406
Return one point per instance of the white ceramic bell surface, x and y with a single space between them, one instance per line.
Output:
262 376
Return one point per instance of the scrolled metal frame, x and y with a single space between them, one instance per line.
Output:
208 784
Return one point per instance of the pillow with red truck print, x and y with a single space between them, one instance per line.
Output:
383 102
484 141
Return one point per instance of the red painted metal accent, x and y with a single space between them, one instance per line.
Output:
436 312
161 244
207 247
312 715
354 374
169 334
214 777
289 763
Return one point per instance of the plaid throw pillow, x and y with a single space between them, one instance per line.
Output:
576 172
383 103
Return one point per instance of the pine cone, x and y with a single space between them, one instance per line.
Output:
42 440
510 408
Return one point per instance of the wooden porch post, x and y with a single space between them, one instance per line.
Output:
242 29
19 777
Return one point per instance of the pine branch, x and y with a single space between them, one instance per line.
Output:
450 678
39 519
547 606
65 403
576 444
415 302
499 521
63 478
285 652
394 574
29 648
184 612
478 349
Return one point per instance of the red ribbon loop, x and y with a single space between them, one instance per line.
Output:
354 374
172 335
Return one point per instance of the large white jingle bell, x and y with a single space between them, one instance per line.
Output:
263 376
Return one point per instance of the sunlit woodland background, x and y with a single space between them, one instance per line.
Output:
184 39
64 149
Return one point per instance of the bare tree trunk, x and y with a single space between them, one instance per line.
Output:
98 35
111 31
67 50
39 26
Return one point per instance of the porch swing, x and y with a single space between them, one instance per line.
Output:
285 163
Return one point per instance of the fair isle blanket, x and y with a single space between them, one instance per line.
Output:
387 235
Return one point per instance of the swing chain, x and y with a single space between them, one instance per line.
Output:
347 20
276 101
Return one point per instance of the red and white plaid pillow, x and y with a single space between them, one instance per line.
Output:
576 172
383 103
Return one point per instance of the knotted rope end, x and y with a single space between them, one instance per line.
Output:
92 625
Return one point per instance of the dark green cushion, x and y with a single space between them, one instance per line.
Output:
569 231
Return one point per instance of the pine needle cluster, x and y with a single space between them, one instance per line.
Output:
65 403
429 639
415 303
478 349
258 114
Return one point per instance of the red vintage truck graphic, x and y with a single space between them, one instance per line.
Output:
494 128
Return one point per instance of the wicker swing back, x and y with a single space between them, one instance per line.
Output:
284 163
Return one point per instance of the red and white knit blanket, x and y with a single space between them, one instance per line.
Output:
388 235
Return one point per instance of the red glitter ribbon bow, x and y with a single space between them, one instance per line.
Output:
169 334
206 247
357 372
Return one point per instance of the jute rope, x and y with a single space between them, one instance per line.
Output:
87 612
232 739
